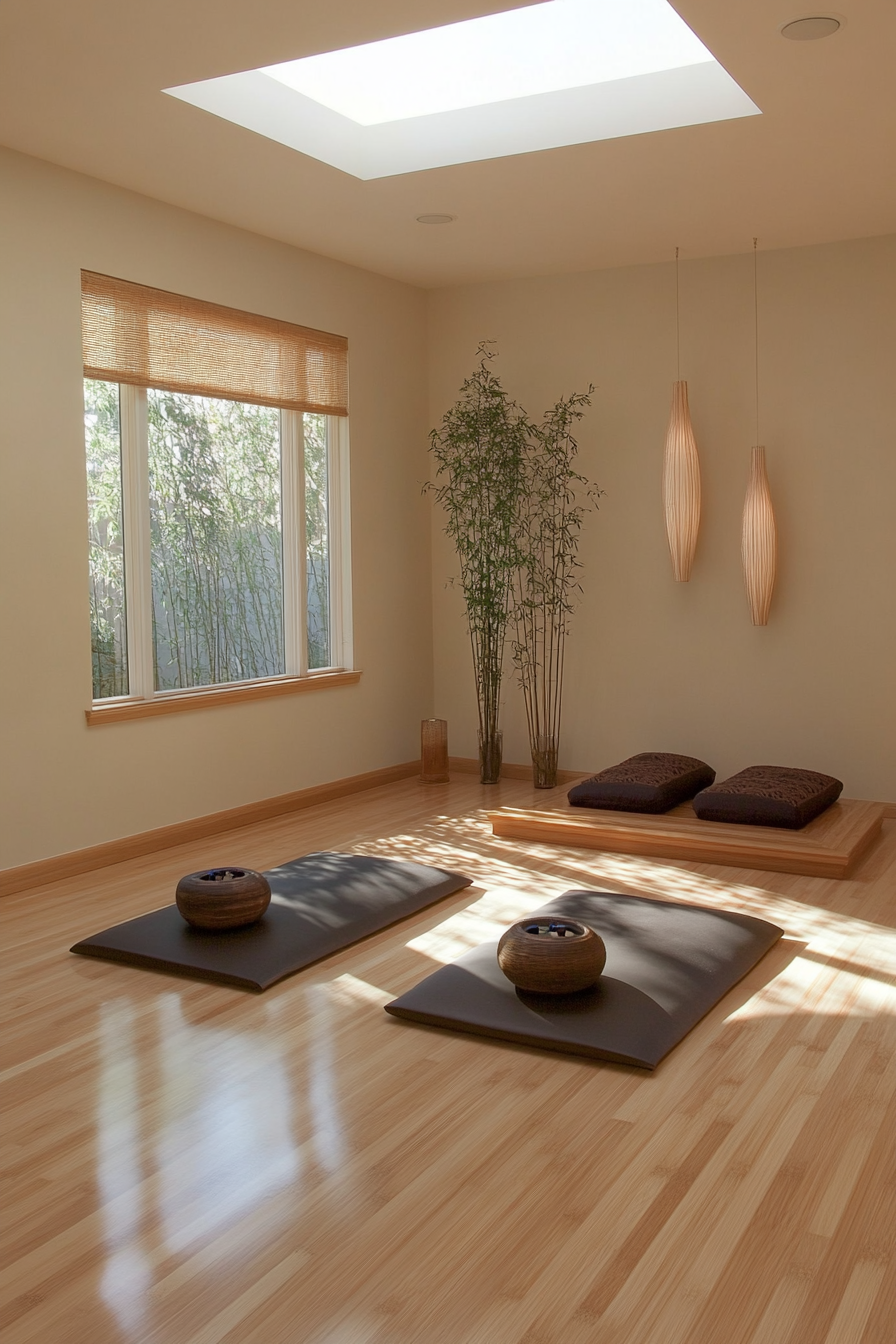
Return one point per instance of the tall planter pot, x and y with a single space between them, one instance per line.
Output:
491 752
544 762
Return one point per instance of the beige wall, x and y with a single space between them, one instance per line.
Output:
652 664
64 786
655 665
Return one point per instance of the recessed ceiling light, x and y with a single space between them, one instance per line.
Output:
558 72
436 219
811 29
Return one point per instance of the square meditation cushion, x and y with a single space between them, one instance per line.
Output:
652 781
769 795
320 904
667 965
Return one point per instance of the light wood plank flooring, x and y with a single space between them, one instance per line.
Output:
190 1164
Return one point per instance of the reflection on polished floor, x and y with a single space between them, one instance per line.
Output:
192 1164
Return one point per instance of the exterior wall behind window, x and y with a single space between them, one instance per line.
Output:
64 786
653 665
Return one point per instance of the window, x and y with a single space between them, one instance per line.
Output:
217 524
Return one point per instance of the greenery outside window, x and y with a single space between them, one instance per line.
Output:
217 526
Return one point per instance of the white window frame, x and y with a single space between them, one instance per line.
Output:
137 560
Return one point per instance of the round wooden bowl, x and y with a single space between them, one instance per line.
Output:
223 898
551 956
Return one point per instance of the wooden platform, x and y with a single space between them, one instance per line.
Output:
828 847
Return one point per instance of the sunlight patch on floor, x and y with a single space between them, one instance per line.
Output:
348 989
515 881
488 918
840 993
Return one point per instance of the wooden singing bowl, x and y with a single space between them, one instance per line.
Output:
551 956
223 898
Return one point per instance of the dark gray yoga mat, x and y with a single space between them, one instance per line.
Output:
667 965
319 905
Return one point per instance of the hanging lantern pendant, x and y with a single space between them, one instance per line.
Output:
759 536
681 468
759 541
681 485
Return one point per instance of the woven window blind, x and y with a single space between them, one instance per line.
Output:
150 338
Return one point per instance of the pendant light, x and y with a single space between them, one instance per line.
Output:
759 540
681 469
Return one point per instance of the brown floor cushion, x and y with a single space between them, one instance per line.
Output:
769 795
319 904
667 964
652 781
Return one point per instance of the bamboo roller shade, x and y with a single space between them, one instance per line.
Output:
150 338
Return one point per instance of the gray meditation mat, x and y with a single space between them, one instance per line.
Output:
319 905
667 965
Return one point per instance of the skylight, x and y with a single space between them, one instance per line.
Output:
562 44
555 73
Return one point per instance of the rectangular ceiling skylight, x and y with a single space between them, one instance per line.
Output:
556 73
564 44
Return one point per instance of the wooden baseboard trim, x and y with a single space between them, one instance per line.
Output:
78 861
469 765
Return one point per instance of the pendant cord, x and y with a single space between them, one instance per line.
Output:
677 318
756 330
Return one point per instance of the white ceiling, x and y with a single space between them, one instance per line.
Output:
80 85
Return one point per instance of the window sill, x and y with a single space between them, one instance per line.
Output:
209 697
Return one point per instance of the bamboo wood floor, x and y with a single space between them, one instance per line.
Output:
190 1164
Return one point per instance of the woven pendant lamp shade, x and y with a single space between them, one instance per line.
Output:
681 485
759 541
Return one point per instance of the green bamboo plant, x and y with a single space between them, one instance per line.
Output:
556 500
480 451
